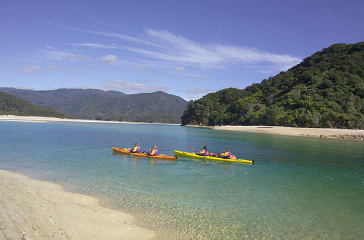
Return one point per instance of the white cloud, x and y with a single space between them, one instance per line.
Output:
109 59
60 55
77 70
178 70
111 35
168 47
25 87
193 90
31 69
74 71
94 45
144 80
83 58
175 48
140 68
52 68
191 75
128 87
136 67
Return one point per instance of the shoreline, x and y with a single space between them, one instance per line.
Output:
332 133
33 209
13 118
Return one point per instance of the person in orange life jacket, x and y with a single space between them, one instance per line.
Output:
136 148
204 152
226 154
154 151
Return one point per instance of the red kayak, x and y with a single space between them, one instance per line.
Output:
126 151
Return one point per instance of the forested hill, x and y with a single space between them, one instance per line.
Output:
325 90
11 105
158 107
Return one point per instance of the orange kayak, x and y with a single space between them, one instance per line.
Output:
126 151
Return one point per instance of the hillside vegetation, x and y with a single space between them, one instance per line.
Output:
11 105
325 90
108 105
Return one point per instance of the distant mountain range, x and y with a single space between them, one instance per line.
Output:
107 105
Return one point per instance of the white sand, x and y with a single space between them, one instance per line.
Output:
353 134
53 119
32 209
42 119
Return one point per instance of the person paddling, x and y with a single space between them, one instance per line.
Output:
154 151
136 148
204 152
226 154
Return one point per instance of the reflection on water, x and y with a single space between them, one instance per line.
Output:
299 188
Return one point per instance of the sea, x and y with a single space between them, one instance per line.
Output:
298 188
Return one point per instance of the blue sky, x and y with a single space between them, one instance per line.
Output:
187 48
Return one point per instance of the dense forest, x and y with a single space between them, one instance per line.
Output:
11 105
326 90
157 107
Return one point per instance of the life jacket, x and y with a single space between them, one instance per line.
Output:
204 152
225 154
154 152
136 149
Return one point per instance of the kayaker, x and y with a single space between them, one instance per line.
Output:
154 151
204 152
136 148
226 154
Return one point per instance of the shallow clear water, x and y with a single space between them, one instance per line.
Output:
299 188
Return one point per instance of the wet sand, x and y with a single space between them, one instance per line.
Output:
32 209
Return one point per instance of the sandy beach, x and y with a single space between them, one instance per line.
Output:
32 209
346 134
53 119
42 119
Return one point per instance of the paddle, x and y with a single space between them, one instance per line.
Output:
192 149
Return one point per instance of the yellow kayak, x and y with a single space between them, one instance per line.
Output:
194 155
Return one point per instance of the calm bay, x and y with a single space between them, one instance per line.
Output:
298 188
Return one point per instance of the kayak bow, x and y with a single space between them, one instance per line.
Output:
126 151
194 155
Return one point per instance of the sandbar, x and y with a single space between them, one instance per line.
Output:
54 119
33 209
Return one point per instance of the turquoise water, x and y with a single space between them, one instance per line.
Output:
298 188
